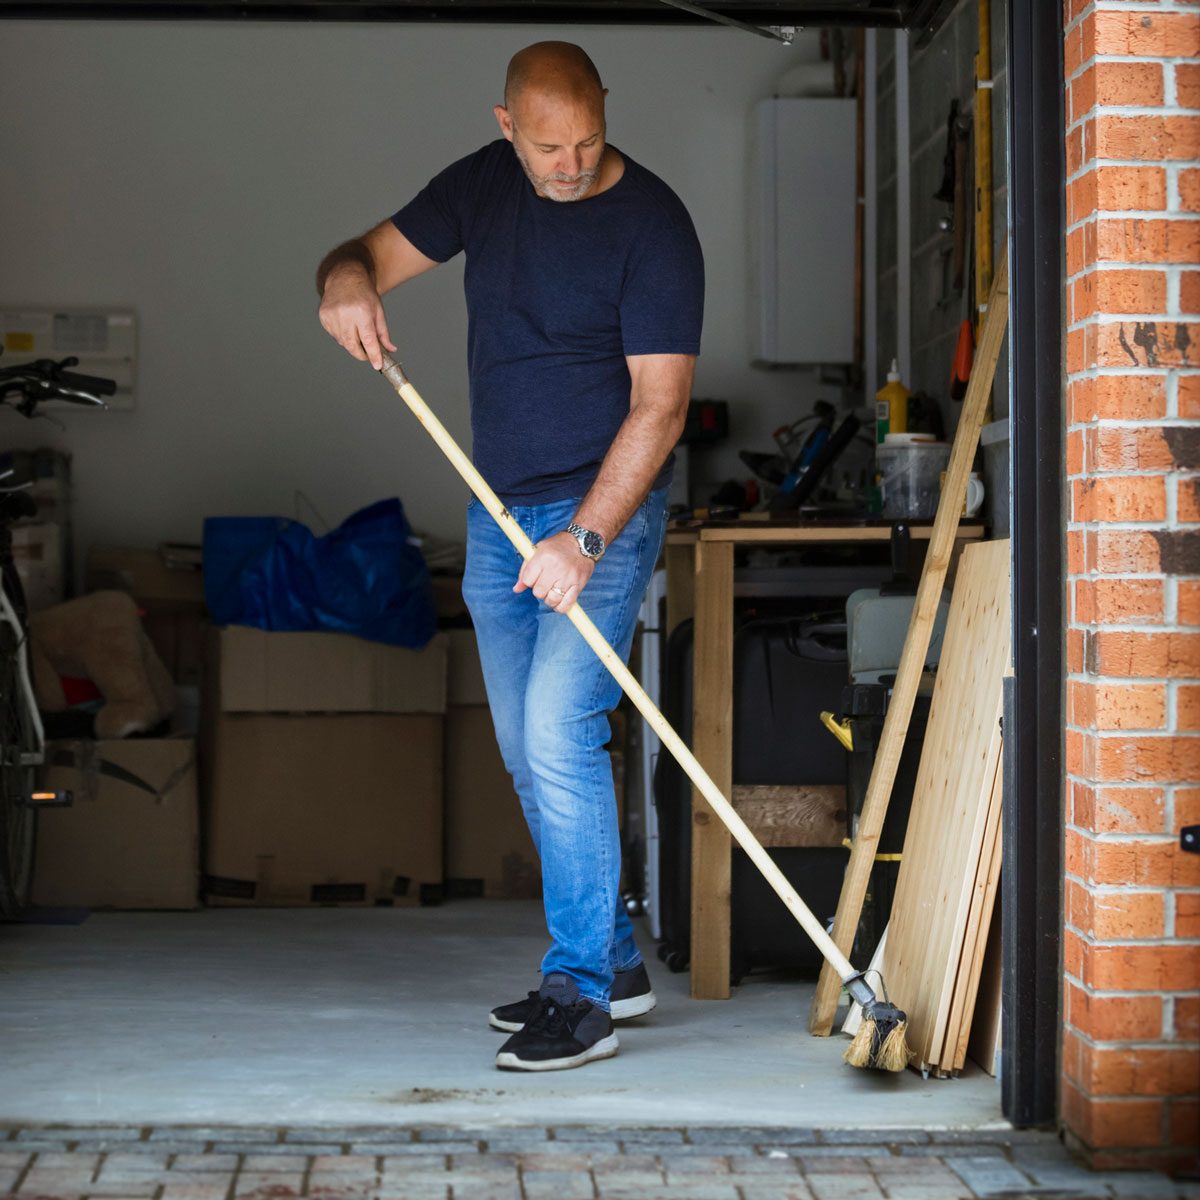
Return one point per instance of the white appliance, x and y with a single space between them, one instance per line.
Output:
802 212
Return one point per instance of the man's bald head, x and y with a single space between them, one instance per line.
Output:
557 71
553 113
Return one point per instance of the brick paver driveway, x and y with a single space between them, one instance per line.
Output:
559 1163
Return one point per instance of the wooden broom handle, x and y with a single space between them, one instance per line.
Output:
609 657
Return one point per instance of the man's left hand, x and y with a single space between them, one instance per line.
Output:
557 572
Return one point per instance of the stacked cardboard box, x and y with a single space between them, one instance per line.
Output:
322 769
488 848
171 597
41 544
130 837
40 554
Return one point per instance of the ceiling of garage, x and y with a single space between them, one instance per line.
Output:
913 14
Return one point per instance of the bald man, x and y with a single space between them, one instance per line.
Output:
584 286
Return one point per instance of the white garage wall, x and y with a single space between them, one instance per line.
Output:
197 173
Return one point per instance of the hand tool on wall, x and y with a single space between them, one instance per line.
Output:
916 644
962 199
964 349
947 192
983 154
880 1043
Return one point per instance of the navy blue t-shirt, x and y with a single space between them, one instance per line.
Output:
558 293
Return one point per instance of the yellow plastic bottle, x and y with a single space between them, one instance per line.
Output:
891 406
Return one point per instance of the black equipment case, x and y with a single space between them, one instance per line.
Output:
786 672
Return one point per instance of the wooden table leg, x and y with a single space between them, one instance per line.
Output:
712 741
679 558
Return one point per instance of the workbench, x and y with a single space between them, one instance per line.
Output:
699 556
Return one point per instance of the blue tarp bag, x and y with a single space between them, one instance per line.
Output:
366 577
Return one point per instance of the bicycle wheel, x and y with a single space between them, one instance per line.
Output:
17 816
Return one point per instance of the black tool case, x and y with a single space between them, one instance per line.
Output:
786 672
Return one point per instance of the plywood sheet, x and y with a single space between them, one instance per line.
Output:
984 1043
951 802
916 644
983 899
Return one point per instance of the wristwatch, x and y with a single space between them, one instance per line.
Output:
591 544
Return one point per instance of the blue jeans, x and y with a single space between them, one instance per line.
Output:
550 699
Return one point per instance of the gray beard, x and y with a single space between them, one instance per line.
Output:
583 181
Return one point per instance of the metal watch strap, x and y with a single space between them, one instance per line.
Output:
583 536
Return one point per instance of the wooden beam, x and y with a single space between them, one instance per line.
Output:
712 700
679 558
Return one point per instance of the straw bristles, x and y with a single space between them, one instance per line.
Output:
871 1048
894 1054
858 1053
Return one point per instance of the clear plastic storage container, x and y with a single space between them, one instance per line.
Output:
909 469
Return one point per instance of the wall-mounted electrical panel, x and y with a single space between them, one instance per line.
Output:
103 339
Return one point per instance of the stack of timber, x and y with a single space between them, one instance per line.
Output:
916 645
933 956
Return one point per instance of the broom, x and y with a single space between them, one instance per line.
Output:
880 1042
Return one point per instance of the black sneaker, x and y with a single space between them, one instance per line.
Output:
631 996
564 1031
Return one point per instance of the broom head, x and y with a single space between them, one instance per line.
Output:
880 1044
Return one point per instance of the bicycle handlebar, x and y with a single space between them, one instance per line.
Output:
45 379
92 384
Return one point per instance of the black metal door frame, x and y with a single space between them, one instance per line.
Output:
1032 879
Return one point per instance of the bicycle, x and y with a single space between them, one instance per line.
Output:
22 737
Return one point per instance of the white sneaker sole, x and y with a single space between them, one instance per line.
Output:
604 1048
622 1010
504 1026
635 1006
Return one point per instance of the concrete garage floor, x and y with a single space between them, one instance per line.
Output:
378 1016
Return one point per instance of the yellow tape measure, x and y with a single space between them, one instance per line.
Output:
879 857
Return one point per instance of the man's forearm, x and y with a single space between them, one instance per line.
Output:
647 435
348 254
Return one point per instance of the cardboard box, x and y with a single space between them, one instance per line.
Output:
171 597
45 476
257 671
488 848
52 496
448 597
178 635
145 575
464 680
322 777
131 836
40 553
332 809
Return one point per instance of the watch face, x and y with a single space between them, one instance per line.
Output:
593 544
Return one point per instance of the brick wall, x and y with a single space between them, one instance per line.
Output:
1131 1042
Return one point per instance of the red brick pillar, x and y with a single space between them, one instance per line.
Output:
1131 1041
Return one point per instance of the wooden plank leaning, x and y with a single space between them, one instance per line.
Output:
916 646
953 828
